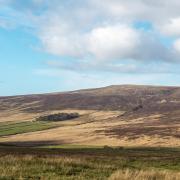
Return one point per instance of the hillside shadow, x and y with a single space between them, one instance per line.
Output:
30 143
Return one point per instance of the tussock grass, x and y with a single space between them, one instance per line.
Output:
144 175
31 167
89 164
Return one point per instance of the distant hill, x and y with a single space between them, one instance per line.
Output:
122 97
151 114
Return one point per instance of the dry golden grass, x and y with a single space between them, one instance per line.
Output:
91 127
16 115
144 175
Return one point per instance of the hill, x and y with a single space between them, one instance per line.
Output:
124 115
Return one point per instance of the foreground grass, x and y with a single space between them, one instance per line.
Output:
31 167
23 127
152 174
89 163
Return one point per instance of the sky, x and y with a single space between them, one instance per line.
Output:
62 45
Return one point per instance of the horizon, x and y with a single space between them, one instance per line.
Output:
57 46
93 88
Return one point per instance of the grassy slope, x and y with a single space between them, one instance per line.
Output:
85 162
23 127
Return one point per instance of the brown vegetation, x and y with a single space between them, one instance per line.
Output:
128 174
115 115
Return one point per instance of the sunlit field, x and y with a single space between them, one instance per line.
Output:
7 129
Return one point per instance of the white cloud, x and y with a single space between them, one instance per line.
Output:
172 27
177 45
103 32
57 38
152 10
112 42
108 33
102 43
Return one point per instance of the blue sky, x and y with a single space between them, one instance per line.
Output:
52 46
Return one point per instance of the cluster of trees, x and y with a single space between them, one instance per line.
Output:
58 117
138 107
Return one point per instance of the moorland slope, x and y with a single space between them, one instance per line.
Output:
122 115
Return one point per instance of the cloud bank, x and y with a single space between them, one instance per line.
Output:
109 35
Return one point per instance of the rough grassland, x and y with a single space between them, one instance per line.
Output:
89 163
128 174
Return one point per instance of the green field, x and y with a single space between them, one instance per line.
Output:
88 163
23 127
